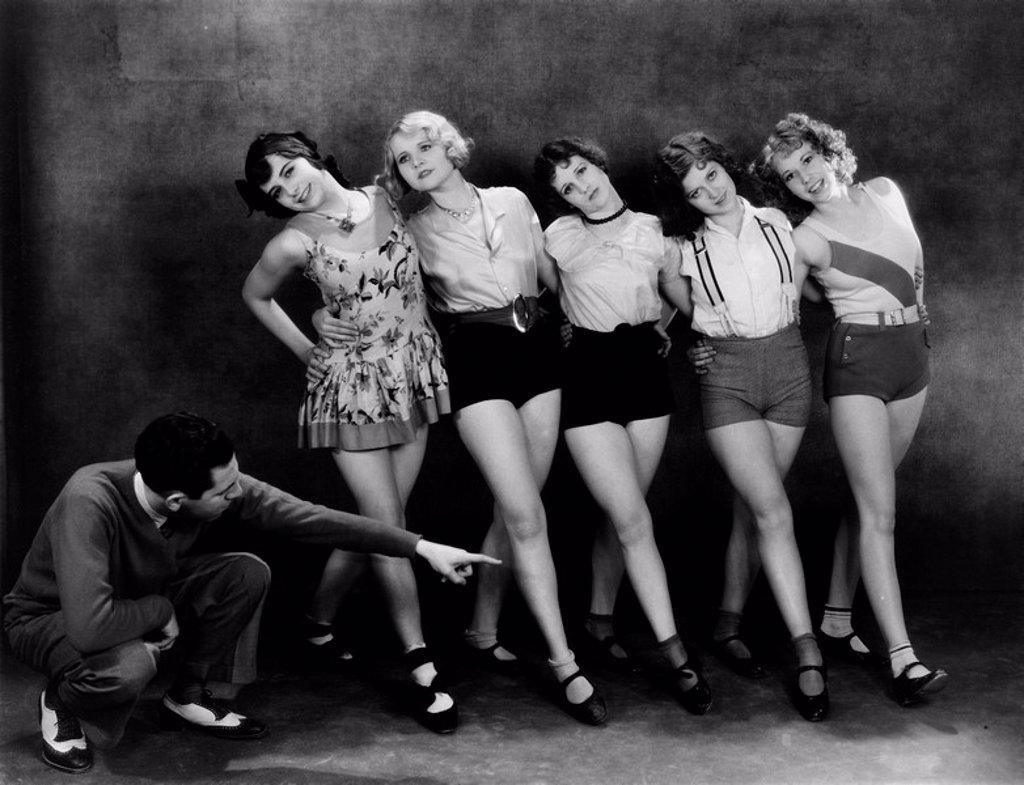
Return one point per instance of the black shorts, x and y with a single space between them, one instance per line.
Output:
890 363
496 362
615 377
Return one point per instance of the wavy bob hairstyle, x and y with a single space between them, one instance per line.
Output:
788 135
439 130
556 154
257 169
672 164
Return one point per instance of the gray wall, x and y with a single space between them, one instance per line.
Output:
122 278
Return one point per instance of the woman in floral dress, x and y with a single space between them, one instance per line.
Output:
372 406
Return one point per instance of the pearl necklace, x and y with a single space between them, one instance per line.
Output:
612 217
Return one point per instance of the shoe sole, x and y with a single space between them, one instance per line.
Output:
935 685
175 722
66 769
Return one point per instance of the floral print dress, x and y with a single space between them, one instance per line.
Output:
379 390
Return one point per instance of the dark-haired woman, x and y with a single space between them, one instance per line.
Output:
616 394
860 243
372 405
755 397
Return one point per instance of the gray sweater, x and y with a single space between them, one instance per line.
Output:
100 559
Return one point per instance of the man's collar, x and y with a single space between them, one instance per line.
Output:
140 494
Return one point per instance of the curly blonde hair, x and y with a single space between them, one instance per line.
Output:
439 129
787 136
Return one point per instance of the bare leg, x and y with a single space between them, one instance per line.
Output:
380 481
605 456
541 436
492 581
606 570
343 568
872 438
607 567
742 560
495 435
845 563
755 455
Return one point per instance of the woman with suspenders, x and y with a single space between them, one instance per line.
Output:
756 395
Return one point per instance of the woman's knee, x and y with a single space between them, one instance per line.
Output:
632 527
525 522
774 518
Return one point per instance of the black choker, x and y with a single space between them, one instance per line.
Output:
612 217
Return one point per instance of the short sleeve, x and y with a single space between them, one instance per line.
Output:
671 260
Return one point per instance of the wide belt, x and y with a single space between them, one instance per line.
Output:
522 313
899 316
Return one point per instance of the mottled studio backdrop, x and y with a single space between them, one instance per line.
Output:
125 245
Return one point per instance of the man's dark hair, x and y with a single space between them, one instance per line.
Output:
177 452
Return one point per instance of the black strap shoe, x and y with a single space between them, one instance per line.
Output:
813 708
422 698
842 648
592 711
695 697
210 716
64 744
909 690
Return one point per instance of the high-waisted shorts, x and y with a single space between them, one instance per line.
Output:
891 363
615 377
497 362
765 378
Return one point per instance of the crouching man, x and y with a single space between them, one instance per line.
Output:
130 560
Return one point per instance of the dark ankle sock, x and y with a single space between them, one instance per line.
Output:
186 689
53 699
807 653
726 626
727 623
672 651
601 626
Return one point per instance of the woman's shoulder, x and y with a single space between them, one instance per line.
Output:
887 191
505 196
564 224
881 186
812 246
647 233
773 216
562 234
647 222
287 247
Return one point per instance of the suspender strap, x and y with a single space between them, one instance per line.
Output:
771 236
700 254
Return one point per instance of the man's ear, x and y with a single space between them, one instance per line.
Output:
174 500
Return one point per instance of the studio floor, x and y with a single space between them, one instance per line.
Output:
348 728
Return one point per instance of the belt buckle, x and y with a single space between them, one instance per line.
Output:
520 314
898 318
